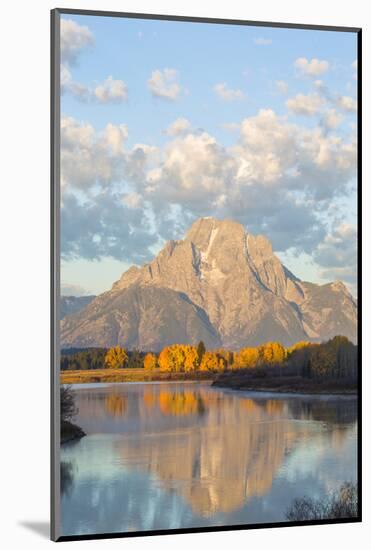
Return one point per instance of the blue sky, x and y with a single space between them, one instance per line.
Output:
163 122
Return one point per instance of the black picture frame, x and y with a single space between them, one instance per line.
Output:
55 268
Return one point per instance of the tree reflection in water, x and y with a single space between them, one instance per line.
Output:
67 477
116 404
215 450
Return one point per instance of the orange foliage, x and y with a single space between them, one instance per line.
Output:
246 358
116 358
187 358
150 361
272 353
178 358
213 361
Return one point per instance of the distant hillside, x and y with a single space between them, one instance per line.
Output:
72 304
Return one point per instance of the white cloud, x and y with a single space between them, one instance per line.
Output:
88 158
347 104
103 226
282 86
164 84
332 119
133 200
111 90
305 104
194 166
68 289
315 67
337 254
178 127
74 38
228 94
263 41
267 148
115 136
279 178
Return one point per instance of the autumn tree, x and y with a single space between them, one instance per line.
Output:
272 353
116 358
297 346
191 362
246 358
150 361
227 355
213 361
172 358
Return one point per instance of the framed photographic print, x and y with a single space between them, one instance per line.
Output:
206 292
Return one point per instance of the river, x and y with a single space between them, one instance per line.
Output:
183 455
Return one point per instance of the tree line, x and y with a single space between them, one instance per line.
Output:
336 358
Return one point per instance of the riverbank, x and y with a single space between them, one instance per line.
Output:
285 384
131 375
70 431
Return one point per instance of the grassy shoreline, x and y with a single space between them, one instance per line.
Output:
130 375
235 381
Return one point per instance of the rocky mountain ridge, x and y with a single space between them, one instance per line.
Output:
220 284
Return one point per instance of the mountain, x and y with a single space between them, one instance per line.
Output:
219 284
72 304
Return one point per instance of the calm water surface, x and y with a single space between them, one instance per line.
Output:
167 456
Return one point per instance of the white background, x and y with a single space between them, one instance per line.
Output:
24 255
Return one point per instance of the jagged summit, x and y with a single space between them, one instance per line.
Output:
240 293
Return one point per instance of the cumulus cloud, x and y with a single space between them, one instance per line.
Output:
73 290
347 104
305 104
102 213
88 158
337 254
263 41
190 163
74 38
332 119
312 68
164 84
103 226
228 94
111 91
266 148
355 67
279 179
133 200
282 87
178 127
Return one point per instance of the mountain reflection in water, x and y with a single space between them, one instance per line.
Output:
205 455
